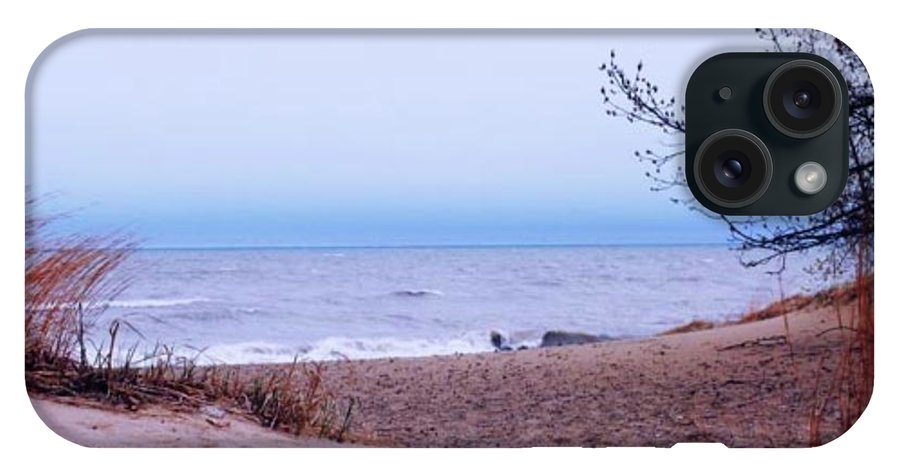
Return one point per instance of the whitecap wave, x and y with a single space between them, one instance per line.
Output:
124 303
340 348
418 292
252 352
334 348
130 303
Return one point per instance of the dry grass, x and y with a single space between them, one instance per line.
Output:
778 308
67 283
695 325
850 387
62 283
837 296
282 400
846 390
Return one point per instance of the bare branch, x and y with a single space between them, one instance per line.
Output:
762 240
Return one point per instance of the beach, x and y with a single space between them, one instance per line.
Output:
747 384
91 424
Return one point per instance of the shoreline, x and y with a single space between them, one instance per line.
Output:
747 383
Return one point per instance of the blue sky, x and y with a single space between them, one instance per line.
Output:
354 139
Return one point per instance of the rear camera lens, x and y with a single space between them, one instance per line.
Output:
802 99
732 168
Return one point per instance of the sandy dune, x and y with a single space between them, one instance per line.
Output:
90 424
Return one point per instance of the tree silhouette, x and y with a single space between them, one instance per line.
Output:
844 231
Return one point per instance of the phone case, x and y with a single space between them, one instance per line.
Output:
424 238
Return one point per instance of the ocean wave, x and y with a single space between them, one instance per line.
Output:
130 303
545 282
418 293
252 352
336 348
124 303
684 279
340 348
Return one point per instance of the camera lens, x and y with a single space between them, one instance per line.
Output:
802 99
732 168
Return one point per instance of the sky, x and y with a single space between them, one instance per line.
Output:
355 138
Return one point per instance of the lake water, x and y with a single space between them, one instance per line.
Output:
268 305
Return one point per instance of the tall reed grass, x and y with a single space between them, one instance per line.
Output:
850 388
69 281
66 284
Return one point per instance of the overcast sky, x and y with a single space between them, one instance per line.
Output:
355 139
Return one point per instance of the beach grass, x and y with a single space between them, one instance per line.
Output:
848 389
67 283
852 384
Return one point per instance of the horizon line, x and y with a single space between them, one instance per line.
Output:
431 246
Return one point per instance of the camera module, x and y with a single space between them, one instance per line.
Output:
766 134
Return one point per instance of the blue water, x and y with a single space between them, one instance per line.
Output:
268 305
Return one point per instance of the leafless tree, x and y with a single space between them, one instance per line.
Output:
843 232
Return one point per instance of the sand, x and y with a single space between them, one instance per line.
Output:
742 385
94 425
751 384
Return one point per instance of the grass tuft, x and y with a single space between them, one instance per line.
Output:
695 325
68 284
851 383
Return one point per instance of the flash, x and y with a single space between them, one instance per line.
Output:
810 178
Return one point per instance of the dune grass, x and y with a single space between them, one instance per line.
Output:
846 390
695 325
840 295
67 283
849 388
